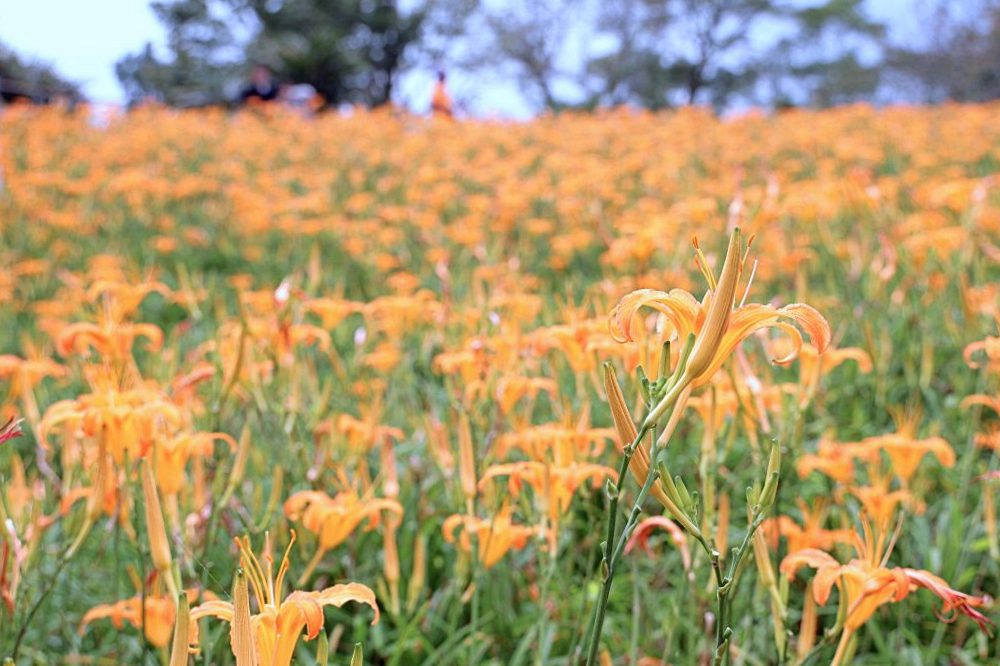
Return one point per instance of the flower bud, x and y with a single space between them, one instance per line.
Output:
770 490
159 546
717 320
241 638
466 459
182 627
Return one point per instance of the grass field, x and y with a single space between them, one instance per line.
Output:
388 349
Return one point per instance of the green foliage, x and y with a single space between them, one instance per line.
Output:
349 50
35 81
959 58
199 64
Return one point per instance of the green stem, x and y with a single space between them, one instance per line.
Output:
724 595
542 626
636 613
613 553
63 561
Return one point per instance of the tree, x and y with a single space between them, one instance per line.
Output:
677 51
349 50
527 41
32 81
634 71
715 29
204 58
831 55
580 53
960 59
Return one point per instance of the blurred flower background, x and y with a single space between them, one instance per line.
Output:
678 345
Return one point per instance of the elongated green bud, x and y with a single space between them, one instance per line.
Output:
664 360
323 649
770 490
643 384
674 507
674 387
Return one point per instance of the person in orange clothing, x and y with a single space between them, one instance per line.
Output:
441 100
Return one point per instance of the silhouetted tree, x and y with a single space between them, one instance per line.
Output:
349 50
33 81
831 54
203 58
959 59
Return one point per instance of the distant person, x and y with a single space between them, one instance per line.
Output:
262 88
441 100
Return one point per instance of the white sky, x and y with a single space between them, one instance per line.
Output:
84 39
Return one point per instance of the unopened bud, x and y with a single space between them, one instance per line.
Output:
717 319
241 638
182 628
770 491
466 458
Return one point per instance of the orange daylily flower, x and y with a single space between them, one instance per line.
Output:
332 311
471 364
905 452
280 620
183 391
835 459
362 434
172 454
990 401
511 388
25 373
110 339
640 538
573 340
879 501
810 533
396 315
990 348
813 365
333 519
718 330
989 439
559 465
11 557
22 523
866 582
384 358
553 485
154 613
555 442
494 536
130 419
121 297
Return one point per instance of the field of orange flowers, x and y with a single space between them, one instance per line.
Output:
616 388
